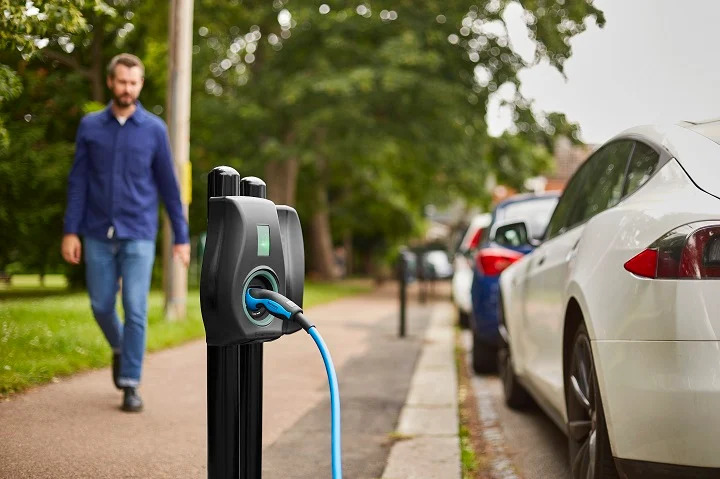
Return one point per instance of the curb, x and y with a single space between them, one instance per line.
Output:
429 445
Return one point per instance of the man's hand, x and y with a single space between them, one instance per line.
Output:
182 252
71 248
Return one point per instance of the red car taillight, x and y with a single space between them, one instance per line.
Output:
493 261
475 241
691 251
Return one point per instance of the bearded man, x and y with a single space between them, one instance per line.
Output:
123 164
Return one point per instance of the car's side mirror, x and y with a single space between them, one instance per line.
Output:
513 235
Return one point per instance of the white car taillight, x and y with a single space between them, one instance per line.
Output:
691 251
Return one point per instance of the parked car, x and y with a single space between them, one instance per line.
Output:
612 323
501 244
437 265
462 267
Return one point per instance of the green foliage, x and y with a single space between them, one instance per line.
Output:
383 105
31 205
28 26
10 87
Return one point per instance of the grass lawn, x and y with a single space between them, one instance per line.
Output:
45 333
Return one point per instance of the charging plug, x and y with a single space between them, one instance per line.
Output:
275 304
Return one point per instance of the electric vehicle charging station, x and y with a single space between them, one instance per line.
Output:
251 292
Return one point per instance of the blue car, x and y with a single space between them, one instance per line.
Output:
503 242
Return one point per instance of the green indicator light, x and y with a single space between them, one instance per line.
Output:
263 240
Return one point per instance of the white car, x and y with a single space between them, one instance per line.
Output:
612 324
437 264
462 267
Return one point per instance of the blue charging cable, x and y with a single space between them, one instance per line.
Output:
281 307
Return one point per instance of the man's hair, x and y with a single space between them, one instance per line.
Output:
127 59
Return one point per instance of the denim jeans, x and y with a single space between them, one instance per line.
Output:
106 261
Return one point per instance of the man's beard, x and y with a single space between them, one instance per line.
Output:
124 100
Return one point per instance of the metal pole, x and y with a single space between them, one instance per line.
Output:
422 275
403 270
234 376
235 385
223 372
250 380
178 119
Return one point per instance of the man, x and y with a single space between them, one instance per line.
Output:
122 163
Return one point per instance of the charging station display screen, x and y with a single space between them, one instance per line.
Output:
263 236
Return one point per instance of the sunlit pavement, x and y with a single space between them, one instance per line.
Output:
74 428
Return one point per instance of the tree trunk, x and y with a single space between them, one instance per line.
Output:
322 264
281 177
348 246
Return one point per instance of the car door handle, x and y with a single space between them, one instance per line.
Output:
571 254
540 261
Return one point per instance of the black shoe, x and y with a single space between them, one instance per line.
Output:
116 369
132 401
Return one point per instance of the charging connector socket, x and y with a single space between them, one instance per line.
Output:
260 278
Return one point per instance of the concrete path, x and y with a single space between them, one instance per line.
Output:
74 428
428 445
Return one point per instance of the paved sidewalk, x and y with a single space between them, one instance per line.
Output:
429 446
74 428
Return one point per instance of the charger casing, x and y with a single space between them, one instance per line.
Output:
250 242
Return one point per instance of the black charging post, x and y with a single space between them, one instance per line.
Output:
250 382
223 370
251 243
235 375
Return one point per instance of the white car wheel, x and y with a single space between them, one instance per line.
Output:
589 445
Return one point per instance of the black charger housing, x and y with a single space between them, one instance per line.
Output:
251 242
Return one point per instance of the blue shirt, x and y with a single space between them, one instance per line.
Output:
118 174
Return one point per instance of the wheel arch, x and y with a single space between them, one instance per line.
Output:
574 317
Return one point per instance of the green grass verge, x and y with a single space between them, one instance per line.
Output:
32 281
43 336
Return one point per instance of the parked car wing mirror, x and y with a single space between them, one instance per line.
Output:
514 235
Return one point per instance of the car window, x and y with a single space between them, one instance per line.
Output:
567 201
642 165
603 187
535 213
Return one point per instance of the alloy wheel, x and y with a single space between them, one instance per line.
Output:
582 411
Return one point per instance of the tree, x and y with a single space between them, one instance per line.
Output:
46 47
30 27
375 110
357 116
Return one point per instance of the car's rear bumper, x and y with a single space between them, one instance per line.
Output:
662 400
630 469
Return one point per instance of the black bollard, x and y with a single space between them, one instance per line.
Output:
403 272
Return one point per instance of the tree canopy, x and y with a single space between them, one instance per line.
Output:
359 115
